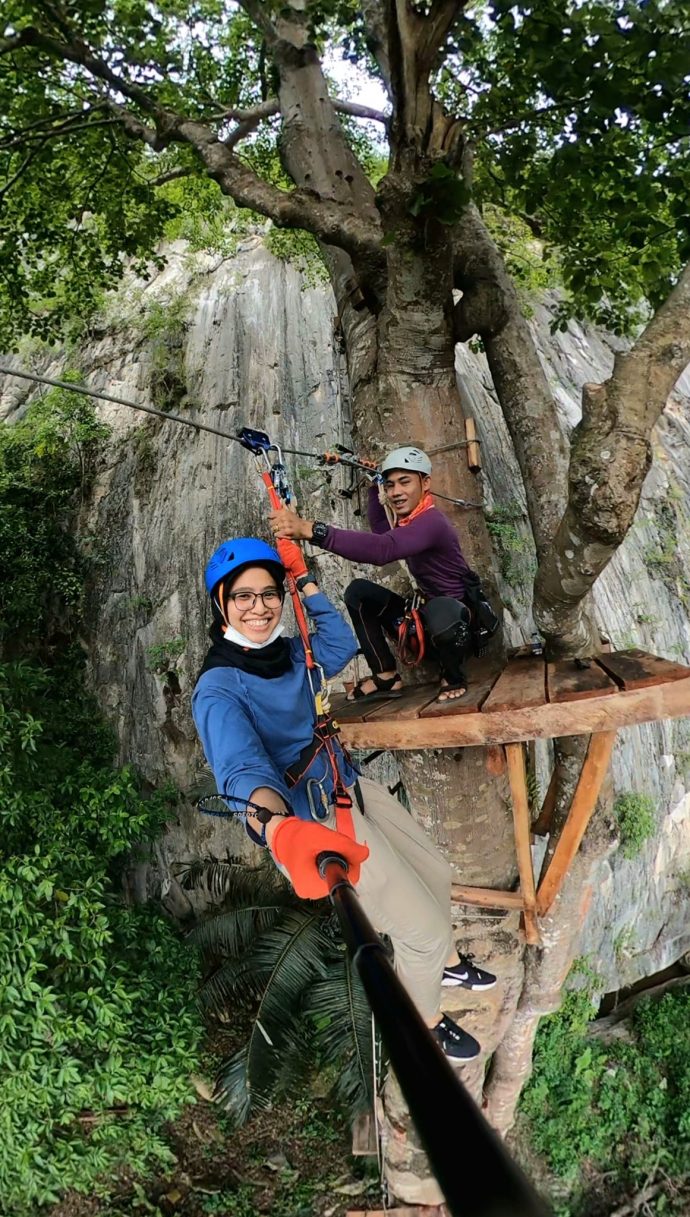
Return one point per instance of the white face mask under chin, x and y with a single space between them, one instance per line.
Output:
233 635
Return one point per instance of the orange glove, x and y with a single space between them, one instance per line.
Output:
292 557
297 844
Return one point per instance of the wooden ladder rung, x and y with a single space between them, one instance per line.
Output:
486 897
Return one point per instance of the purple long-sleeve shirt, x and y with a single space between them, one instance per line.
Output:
429 545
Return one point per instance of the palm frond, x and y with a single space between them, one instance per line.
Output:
338 1009
233 880
294 952
232 1089
232 933
232 982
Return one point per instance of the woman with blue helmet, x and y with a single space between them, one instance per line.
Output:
254 711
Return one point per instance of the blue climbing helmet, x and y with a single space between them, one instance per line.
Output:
238 552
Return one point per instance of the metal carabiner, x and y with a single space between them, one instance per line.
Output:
321 810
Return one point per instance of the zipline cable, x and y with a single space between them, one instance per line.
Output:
100 395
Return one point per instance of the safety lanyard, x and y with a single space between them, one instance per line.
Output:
274 477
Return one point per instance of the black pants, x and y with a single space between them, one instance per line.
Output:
376 611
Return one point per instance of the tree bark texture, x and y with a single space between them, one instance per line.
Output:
491 308
611 455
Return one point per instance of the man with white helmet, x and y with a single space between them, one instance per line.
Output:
423 537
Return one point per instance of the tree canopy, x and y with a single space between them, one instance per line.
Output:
571 117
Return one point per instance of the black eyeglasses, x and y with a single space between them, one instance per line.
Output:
246 600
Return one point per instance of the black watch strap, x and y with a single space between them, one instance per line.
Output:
303 580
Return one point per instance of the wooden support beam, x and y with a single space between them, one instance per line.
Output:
518 788
364 1138
485 897
585 717
542 824
584 801
474 460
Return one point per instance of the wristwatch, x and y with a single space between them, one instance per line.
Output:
319 532
301 583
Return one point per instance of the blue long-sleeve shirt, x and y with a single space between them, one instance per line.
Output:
253 729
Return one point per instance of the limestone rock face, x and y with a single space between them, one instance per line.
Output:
244 340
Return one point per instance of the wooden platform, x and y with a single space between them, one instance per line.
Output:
529 699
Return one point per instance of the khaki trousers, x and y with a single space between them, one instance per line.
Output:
404 889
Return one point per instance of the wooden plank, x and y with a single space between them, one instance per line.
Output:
636 669
408 706
542 824
408 1210
345 711
485 897
586 794
517 777
583 717
565 681
521 684
364 1136
481 682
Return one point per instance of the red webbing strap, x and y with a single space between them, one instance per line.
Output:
411 655
343 802
292 587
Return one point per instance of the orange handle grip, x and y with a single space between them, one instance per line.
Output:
292 587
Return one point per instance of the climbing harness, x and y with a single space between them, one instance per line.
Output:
411 643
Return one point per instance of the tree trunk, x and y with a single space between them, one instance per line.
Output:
461 797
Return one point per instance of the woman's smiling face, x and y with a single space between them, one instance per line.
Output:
254 604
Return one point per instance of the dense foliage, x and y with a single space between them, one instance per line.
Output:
569 110
612 1119
97 1025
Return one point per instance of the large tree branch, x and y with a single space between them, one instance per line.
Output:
76 51
419 125
491 308
374 15
611 455
327 219
436 25
249 119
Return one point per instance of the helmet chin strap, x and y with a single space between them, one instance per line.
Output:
221 603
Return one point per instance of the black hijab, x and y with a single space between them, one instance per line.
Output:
269 662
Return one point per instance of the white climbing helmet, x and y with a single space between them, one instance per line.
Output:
407 458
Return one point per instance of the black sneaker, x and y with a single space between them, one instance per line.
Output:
456 1044
468 975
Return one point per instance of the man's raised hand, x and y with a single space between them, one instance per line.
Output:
286 523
